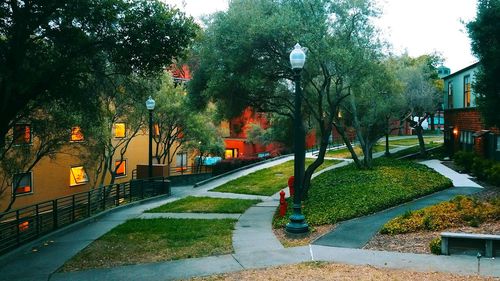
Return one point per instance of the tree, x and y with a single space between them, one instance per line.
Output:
244 60
373 102
484 32
49 50
44 133
422 91
121 117
178 125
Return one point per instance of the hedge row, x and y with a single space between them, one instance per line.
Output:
483 169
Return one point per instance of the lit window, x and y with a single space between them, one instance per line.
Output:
78 176
121 168
119 130
156 130
22 134
467 91
181 159
231 153
76 134
22 183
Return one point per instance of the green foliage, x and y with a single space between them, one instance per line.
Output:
481 167
59 48
484 32
494 174
435 246
464 159
347 192
193 204
460 211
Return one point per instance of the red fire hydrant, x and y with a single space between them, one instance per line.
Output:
283 204
291 181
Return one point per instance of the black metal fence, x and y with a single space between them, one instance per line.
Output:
20 226
193 169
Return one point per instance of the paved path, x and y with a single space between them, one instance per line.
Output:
253 240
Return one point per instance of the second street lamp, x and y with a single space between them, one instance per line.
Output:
150 105
297 224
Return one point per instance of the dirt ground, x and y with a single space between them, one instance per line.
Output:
330 271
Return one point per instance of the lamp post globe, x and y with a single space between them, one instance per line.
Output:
150 105
297 225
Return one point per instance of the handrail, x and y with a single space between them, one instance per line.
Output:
25 224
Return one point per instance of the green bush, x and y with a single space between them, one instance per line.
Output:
347 192
464 159
458 212
481 167
494 174
435 246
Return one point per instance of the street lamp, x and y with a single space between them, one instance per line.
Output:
297 224
150 105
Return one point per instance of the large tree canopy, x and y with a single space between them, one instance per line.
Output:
484 32
49 49
244 57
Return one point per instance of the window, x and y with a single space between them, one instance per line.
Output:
467 91
498 142
450 95
121 168
78 176
466 137
76 134
22 134
119 130
231 153
22 184
156 130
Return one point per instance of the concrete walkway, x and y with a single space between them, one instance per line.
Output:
255 245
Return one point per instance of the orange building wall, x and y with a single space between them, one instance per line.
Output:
50 177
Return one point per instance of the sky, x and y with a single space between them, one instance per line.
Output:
414 26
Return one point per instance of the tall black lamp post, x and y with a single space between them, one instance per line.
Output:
297 224
150 105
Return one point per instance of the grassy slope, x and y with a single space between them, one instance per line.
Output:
193 204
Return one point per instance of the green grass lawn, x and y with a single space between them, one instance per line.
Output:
344 152
193 204
347 192
267 181
414 149
153 240
414 141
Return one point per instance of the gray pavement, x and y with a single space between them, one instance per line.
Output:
255 245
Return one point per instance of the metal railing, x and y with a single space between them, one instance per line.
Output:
193 169
20 226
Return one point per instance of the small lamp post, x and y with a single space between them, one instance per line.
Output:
297 224
150 105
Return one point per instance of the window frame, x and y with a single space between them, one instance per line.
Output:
467 91
450 94
30 173
73 133
71 174
124 130
124 162
16 137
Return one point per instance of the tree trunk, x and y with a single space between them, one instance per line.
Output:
319 160
419 130
433 126
349 146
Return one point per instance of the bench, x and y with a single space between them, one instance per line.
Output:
487 244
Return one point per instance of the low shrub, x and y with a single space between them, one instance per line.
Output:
348 192
481 167
460 211
435 246
228 165
464 159
494 174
